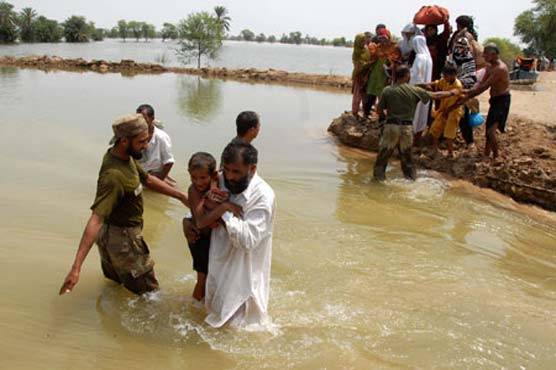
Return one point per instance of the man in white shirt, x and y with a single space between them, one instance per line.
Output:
157 159
238 281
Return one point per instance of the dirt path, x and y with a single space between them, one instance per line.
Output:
537 104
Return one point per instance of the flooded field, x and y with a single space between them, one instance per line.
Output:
431 274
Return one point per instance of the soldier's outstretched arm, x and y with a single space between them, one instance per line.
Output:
87 240
154 183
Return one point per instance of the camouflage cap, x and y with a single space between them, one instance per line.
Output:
128 126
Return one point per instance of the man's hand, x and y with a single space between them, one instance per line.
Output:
235 209
71 281
190 231
218 196
89 236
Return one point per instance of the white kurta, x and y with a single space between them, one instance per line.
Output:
421 73
238 281
158 152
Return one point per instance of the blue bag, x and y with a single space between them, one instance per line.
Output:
476 119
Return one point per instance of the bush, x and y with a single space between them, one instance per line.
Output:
47 30
76 29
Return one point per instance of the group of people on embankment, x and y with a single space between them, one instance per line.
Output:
228 229
423 89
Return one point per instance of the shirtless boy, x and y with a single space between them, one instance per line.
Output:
497 79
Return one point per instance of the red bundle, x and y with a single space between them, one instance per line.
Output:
432 14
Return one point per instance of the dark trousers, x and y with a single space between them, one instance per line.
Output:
368 102
465 128
394 137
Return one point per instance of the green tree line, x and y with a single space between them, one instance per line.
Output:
537 28
28 26
294 38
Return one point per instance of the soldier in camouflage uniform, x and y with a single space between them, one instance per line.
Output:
116 221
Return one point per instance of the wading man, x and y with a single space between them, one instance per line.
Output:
238 281
116 220
397 106
497 79
157 159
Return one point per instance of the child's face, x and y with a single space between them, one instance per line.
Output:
201 179
449 77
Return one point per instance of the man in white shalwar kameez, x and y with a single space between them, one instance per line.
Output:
238 281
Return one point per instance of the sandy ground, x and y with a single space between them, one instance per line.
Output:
537 104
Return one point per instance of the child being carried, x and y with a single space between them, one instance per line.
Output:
204 187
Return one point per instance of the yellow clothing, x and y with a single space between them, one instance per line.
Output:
446 125
443 85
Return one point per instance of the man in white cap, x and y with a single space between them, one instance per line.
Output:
116 220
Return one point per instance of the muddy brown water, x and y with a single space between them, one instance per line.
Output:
431 274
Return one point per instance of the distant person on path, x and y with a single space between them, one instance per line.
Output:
421 73
116 220
397 107
361 59
438 47
157 159
497 79
238 281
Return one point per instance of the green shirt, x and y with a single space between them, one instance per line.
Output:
377 78
119 199
400 102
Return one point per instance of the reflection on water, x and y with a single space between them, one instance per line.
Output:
397 275
198 98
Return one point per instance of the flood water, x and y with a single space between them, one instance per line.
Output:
234 54
431 274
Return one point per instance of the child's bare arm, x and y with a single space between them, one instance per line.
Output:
196 202
211 217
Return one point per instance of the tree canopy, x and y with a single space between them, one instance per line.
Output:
247 35
537 26
169 31
122 29
8 23
223 18
76 29
200 36
27 18
47 30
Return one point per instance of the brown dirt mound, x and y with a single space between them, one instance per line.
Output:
525 171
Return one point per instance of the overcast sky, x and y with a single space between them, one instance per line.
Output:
317 18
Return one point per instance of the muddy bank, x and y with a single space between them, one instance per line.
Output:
525 171
130 67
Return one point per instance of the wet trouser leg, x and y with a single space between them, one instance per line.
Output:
388 143
465 128
406 157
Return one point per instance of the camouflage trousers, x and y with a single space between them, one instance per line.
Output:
400 137
125 258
